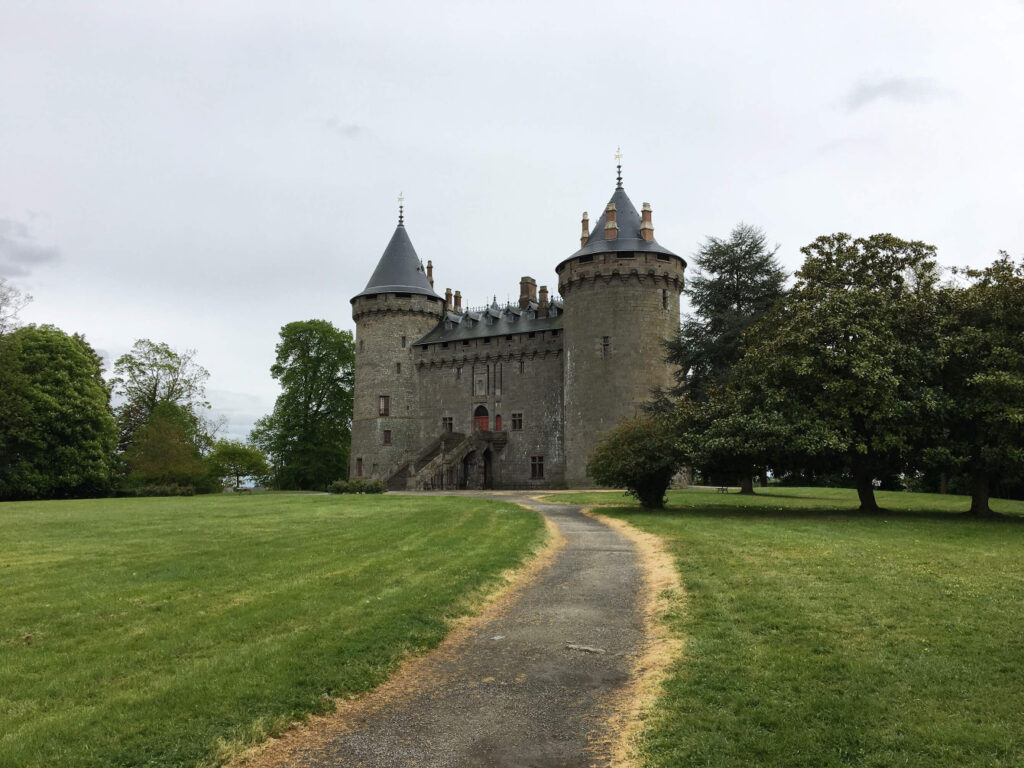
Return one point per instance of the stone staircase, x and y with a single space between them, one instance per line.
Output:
440 465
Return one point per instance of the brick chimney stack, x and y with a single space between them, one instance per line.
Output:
611 227
448 299
585 234
458 302
646 227
430 272
527 291
542 305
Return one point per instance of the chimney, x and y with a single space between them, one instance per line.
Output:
611 228
458 302
430 272
646 227
527 291
585 234
542 308
448 299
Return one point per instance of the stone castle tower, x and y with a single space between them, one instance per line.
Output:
515 396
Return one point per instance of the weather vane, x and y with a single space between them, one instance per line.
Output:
618 166
401 209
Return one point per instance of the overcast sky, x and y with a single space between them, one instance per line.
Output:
202 173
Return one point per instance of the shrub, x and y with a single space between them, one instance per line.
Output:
356 486
640 455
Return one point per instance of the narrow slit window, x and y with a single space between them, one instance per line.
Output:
403 342
398 367
387 437
359 467
606 346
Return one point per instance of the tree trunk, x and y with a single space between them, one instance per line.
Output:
865 490
943 483
747 484
979 497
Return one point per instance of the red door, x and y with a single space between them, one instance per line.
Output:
481 419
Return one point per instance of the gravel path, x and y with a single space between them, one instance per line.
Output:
532 685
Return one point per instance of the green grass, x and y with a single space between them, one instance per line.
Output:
818 636
169 632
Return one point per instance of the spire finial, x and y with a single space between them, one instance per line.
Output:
618 167
401 210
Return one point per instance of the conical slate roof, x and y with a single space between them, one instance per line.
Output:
399 269
629 239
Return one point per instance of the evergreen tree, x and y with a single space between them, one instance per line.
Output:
735 282
57 432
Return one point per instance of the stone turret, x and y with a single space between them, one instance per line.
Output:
397 307
620 295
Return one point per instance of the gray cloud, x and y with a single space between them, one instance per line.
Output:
345 130
903 90
20 251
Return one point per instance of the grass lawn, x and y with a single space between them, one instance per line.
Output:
818 636
170 632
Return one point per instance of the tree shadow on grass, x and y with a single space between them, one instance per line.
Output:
821 514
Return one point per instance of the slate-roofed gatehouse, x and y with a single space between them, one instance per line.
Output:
513 396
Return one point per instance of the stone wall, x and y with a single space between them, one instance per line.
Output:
381 322
507 375
619 310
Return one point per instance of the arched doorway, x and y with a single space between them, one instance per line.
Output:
488 477
481 420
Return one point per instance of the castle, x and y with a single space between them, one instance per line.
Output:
513 396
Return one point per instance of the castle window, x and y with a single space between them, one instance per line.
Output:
536 467
626 255
508 338
458 372
554 334
359 467
465 343
444 345
398 367
606 346
662 257
517 422
362 345
487 340
586 259
387 437
403 342
497 423
522 366
664 299
532 335
446 424
385 405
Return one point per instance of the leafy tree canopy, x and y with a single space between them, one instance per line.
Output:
843 373
165 451
233 460
736 281
57 431
983 377
152 374
308 435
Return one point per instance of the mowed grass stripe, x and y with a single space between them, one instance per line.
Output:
818 636
168 631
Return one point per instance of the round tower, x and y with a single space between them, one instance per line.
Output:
397 307
620 294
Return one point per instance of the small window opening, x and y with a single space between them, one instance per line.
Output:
362 345
533 334
385 405
487 340
446 424
606 346
554 334
664 298
662 257
359 467
398 367
403 342
458 372
536 467
522 366
586 259
517 422
387 437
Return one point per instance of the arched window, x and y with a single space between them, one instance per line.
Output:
481 420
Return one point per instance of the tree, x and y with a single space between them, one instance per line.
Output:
641 455
12 301
152 374
233 460
737 280
165 452
983 378
57 431
308 435
844 373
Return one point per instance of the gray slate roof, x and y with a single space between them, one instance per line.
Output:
399 270
629 239
492 321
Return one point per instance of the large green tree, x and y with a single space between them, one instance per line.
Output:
844 373
735 281
166 452
308 435
152 374
57 432
983 378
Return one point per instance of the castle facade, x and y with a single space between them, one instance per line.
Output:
513 396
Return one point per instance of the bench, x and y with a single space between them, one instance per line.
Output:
723 489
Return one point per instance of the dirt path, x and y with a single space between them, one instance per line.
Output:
535 681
